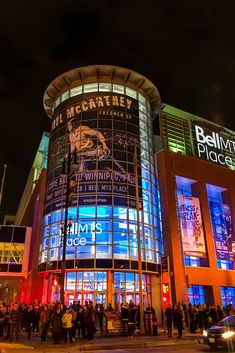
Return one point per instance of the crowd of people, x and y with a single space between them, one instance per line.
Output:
194 317
82 321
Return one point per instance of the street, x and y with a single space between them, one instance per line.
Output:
185 348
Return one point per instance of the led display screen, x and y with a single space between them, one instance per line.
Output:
222 230
192 234
101 130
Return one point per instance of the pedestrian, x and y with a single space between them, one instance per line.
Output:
2 318
29 318
15 321
124 318
57 324
178 320
67 324
169 319
91 320
44 320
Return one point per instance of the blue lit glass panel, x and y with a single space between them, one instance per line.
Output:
120 252
227 295
146 195
196 295
46 231
87 212
120 212
145 174
134 253
54 241
104 237
103 212
70 252
149 243
120 226
56 216
104 252
119 280
45 243
55 229
47 220
150 256
147 206
132 214
147 218
145 184
133 227
148 230
133 240
85 252
120 238
72 213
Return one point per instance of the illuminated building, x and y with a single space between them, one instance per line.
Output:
196 178
20 241
102 113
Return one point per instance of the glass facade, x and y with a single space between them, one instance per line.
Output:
228 296
108 128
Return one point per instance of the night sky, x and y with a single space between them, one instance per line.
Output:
187 48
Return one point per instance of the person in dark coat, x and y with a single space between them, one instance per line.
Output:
91 320
57 324
178 320
45 317
29 320
15 322
169 319
124 317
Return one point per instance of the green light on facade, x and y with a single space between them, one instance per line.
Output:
176 148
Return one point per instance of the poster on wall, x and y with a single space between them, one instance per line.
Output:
102 129
222 230
191 227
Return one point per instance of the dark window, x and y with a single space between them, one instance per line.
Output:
5 234
103 263
15 268
19 235
121 264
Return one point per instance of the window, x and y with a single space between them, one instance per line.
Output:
196 295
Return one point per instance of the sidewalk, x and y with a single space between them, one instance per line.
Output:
102 343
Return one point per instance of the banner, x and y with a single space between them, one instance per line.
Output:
192 234
222 230
101 129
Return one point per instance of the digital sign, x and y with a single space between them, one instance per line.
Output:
102 129
192 234
214 147
222 230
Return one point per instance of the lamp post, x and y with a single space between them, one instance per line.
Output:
67 223
139 243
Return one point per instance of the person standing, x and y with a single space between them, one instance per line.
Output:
178 320
57 324
169 319
29 320
91 319
15 321
67 324
45 317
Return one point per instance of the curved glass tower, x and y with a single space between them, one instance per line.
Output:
101 139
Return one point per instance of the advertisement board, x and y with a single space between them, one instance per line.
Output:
222 230
193 240
214 146
102 130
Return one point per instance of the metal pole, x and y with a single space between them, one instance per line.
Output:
142 330
63 264
2 184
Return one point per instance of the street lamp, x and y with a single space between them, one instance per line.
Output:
139 242
67 223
